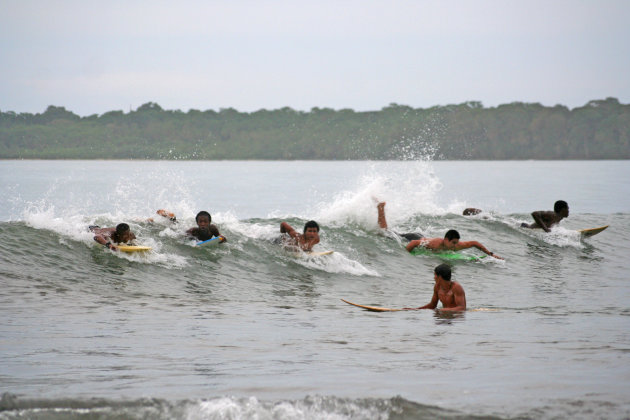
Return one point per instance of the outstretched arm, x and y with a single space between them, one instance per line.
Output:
475 244
430 305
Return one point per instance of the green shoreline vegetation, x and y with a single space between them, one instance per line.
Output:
598 130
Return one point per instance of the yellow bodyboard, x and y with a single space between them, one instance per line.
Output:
133 248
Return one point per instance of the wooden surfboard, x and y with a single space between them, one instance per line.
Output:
381 309
587 233
373 308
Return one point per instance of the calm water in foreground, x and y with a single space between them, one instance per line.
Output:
246 330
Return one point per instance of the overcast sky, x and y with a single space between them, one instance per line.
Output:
96 56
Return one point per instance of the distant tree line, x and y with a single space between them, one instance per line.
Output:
598 130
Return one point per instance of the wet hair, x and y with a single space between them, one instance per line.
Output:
121 228
451 234
203 213
470 211
444 271
559 206
311 224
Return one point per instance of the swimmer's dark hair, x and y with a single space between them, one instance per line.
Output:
444 271
470 211
203 213
451 234
559 206
311 224
122 228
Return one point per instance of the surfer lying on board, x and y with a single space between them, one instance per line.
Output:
204 230
450 242
546 219
305 240
120 234
450 293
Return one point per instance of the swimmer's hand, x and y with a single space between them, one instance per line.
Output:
167 214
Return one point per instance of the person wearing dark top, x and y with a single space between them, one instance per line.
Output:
204 230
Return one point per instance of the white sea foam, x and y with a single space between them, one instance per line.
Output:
408 189
336 263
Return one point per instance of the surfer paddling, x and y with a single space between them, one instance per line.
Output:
545 220
120 234
450 293
450 242
305 241
204 230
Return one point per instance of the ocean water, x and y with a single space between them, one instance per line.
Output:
245 330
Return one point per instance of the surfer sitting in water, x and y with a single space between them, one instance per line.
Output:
450 293
305 241
546 219
450 242
120 234
204 230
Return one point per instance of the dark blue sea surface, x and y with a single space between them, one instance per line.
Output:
247 330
